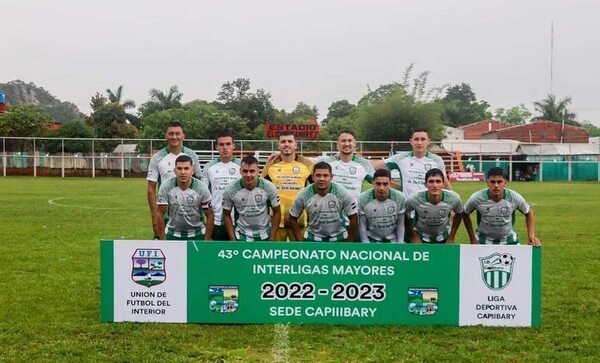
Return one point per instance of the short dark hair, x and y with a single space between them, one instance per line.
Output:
433 172
496 171
419 129
174 123
347 131
183 158
323 165
285 133
249 160
224 134
382 173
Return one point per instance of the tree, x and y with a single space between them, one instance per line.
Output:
24 121
255 107
110 121
304 111
517 115
160 101
594 131
461 106
341 108
75 129
554 110
116 97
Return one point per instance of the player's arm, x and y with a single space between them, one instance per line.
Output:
530 223
228 223
210 223
275 220
400 229
159 221
455 224
378 163
295 227
362 228
352 227
469 228
414 237
151 195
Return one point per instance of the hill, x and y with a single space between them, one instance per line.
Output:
21 93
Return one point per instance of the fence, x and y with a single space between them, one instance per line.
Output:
130 157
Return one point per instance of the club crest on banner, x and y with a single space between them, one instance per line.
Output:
497 270
223 299
148 267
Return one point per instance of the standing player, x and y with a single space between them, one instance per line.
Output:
185 198
381 211
251 196
328 205
433 208
349 169
217 175
290 173
162 166
496 206
413 165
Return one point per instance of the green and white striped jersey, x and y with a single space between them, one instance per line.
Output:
252 206
412 169
327 214
217 176
383 219
184 207
433 220
350 175
496 220
162 165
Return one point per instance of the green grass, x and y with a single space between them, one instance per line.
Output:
49 288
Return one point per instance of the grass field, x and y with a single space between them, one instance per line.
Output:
49 288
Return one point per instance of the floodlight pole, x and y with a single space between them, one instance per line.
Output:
34 160
4 156
62 158
93 160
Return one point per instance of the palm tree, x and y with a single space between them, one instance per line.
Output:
554 110
116 97
160 101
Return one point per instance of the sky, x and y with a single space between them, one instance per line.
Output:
316 52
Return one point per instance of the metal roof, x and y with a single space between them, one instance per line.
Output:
483 147
559 149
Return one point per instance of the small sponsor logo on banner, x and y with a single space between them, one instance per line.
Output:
422 301
223 299
496 270
148 267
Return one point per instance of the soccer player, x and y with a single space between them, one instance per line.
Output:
186 199
290 173
433 208
162 166
217 175
381 211
251 196
413 165
328 206
349 169
496 206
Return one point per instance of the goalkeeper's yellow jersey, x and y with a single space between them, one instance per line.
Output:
289 178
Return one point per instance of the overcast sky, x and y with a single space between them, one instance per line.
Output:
311 51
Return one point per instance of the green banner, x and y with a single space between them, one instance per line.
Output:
320 283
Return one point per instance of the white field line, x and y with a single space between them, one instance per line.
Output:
56 203
281 343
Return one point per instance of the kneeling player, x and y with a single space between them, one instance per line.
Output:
496 208
186 199
328 205
433 208
381 211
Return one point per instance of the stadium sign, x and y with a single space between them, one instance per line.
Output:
320 283
300 131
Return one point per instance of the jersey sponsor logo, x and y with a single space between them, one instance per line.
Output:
258 198
496 270
223 299
148 267
352 170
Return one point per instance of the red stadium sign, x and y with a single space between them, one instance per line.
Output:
300 131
